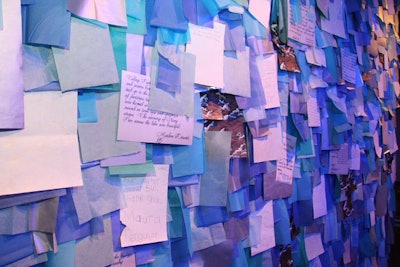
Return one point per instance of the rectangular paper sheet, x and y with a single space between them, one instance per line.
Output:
145 216
11 81
90 59
267 229
269 147
268 68
110 12
304 31
137 123
207 44
285 166
44 155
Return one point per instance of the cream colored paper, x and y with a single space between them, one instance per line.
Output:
44 155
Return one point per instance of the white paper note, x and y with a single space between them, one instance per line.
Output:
145 216
107 11
285 166
207 44
268 69
269 147
319 199
314 246
137 123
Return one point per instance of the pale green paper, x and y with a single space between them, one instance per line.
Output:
97 249
176 103
90 59
214 181
133 169
99 140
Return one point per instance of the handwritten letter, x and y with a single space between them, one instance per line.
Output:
339 160
303 32
137 123
207 44
349 65
145 216
285 166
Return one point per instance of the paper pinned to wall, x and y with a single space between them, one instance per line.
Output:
207 44
285 166
134 52
90 60
237 74
11 82
314 247
1 15
49 139
137 123
110 12
349 65
319 199
261 10
334 24
339 160
304 31
267 229
145 216
269 147
313 112
268 68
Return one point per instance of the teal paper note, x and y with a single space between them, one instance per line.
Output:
136 13
188 160
169 36
253 27
214 182
87 109
90 59
64 257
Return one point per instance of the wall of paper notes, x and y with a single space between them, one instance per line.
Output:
197 133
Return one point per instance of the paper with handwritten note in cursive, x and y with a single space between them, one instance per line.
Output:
137 123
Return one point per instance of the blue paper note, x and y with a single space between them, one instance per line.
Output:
188 160
19 199
87 109
15 247
48 23
168 75
169 14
